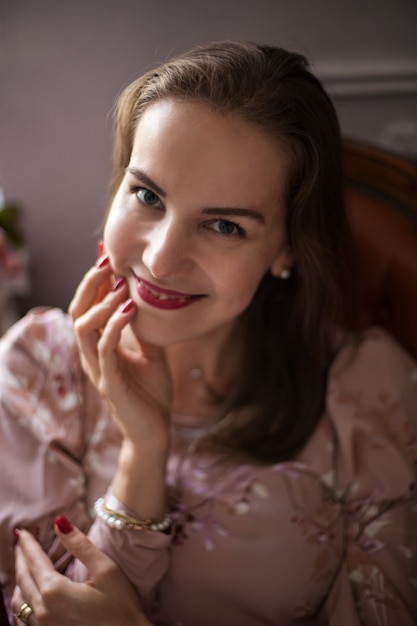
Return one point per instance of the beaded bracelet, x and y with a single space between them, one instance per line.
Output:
118 520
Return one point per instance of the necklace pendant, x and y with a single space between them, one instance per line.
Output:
196 373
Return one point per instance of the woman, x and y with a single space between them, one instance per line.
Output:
262 463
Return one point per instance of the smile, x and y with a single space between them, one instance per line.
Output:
164 298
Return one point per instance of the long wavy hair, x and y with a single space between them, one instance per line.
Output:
289 328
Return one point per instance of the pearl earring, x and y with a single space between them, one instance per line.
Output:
285 274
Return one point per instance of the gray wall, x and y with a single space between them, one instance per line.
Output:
63 63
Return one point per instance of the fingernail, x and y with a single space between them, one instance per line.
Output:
128 306
100 248
118 283
64 524
103 261
16 535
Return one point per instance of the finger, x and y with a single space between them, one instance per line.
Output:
105 577
147 360
27 589
112 358
111 335
29 553
89 327
92 288
100 249
108 345
80 546
17 603
97 316
101 257
16 600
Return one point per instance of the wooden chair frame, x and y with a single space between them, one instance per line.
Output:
382 174
381 203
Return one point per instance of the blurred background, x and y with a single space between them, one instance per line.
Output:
62 65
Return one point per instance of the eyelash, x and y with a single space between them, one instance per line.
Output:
240 232
136 190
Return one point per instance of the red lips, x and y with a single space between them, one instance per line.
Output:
161 298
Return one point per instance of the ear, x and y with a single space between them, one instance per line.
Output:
283 261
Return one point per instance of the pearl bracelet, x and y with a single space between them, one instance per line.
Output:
118 520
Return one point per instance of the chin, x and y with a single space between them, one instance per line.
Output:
155 332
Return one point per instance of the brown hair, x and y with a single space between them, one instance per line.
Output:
288 328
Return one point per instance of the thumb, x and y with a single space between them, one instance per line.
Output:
79 545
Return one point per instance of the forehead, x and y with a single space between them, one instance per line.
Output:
189 143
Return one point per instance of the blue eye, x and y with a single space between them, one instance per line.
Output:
226 227
148 197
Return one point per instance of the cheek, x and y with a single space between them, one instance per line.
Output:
240 283
111 235
116 241
118 218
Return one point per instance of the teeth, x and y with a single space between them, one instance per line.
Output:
163 296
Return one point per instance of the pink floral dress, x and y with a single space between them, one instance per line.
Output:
328 538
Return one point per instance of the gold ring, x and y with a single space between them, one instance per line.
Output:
24 613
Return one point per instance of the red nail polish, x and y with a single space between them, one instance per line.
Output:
64 524
118 283
100 248
16 536
128 306
103 261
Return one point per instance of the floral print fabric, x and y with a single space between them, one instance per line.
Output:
327 538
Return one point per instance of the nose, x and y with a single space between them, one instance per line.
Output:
167 250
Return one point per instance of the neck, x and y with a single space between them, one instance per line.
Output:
214 353
216 357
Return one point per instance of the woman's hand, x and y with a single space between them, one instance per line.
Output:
135 380
107 599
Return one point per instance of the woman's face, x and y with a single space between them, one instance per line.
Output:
198 220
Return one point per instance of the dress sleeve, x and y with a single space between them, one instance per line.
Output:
54 436
372 407
142 555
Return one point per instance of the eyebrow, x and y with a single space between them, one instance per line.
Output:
236 212
144 178
223 211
